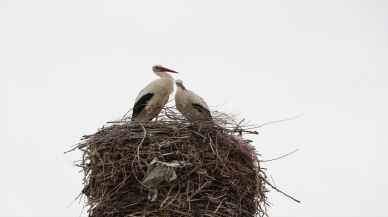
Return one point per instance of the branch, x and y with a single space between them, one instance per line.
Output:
282 192
282 156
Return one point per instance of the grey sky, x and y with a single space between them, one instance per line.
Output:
66 67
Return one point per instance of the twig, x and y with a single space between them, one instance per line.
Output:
280 157
142 140
125 115
199 189
78 146
280 191
278 121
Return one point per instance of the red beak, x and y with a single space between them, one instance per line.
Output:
167 69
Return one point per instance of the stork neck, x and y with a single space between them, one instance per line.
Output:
164 75
181 86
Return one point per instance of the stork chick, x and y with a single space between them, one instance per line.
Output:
154 96
192 106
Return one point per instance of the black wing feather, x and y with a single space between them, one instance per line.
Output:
202 109
141 104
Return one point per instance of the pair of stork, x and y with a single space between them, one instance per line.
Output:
155 95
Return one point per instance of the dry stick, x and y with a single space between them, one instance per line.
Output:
200 189
138 156
245 131
272 179
219 205
124 116
280 191
278 121
171 201
72 149
116 122
167 196
142 140
282 156
78 146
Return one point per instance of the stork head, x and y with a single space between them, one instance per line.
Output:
159 68
179 83
162 71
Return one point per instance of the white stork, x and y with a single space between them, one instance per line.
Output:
192 106
154 96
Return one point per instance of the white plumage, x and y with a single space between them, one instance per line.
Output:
154 96
192 106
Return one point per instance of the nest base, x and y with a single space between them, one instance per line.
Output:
208 171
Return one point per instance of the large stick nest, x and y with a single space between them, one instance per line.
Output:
171 167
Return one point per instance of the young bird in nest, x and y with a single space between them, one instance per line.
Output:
193 107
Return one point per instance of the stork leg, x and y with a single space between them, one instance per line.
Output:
157 115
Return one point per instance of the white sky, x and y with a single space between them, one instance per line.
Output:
66 67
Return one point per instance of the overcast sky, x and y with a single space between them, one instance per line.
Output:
67 67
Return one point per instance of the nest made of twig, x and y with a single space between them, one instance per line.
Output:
208 169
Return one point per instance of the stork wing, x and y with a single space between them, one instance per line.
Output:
140 104
202 109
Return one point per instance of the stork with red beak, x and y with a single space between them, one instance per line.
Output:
154 96
192 106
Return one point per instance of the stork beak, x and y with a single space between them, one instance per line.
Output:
167 69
